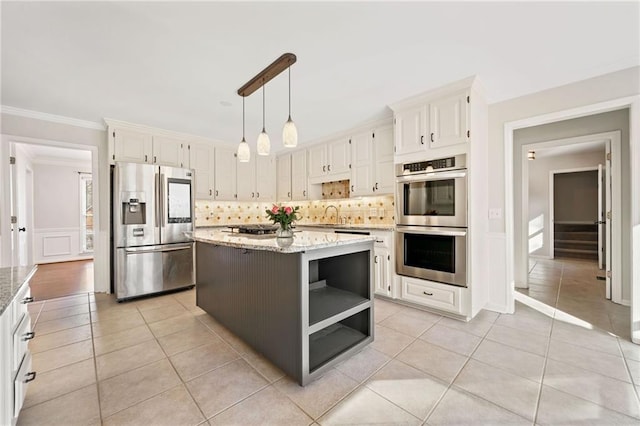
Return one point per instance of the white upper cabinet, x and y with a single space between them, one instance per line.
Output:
246 180
449 120
265 178
317 161
169 152
410 130
283 186
299 177
338 156
132 146
372 162
225 174
330 161
202 160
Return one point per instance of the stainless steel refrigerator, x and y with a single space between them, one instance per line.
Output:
153 207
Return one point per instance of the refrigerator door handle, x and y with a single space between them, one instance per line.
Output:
157 195
162 201
158 250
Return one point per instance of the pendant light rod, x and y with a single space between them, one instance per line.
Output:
289 92
242 118
263 108
263 77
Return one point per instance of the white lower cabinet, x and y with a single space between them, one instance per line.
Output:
434 295
384 270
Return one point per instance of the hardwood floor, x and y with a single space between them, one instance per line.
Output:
53 280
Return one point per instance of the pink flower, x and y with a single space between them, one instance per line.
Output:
288 210
275 209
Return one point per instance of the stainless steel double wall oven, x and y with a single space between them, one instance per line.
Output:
431 218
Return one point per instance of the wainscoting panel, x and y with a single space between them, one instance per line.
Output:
57 245
500 291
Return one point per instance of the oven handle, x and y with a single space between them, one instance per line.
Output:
432 231
432 176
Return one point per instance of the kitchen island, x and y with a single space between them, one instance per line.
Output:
304 303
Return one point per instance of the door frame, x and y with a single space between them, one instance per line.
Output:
633 104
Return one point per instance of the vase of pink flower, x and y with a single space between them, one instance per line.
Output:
283 216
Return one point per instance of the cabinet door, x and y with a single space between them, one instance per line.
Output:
409 130
265 178
448 119
132 146
225 174
202 160
283 187
339 156
317 161
299 175
362 164
383 165
381 271
168 151
246 180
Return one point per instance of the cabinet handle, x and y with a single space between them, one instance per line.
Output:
216 192
27 300
379 241
257 195
376 186
145 158
351 188
375 259
30 376
329 168
252 195
373 188
422 140
28 336
210 193
431 137
427 293
289 194
154 159
304 192
324 168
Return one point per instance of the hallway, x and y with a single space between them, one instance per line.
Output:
53 280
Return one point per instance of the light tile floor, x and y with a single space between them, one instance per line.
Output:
163 361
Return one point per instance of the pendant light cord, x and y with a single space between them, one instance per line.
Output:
263 108
243 118
289 92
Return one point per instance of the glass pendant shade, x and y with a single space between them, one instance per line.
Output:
264 144
289 134
244 153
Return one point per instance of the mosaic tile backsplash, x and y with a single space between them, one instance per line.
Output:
366 210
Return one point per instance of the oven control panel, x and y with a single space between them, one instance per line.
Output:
440 164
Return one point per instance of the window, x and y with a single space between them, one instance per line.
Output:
86 212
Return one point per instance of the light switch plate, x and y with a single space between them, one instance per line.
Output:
495 213
381 212
373 211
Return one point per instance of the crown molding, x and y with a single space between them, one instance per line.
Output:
423 97
5 109
156 131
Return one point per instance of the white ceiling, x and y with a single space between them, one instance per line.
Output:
172 65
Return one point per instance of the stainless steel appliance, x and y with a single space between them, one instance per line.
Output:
432 193
153 207
432 253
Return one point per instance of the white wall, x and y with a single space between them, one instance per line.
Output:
539 189
19 128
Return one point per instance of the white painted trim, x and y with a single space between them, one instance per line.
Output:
540 256
625 302
53 118
156 131
423 97
49 161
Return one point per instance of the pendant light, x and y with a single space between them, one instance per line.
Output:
244 153
289 131
264 144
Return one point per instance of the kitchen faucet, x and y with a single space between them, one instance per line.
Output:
337 211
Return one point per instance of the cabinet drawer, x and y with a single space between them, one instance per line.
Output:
20 305
438 296
21 337
383 241
20 382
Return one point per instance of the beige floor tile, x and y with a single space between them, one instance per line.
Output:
407 387
75 408
64 312
363 364
367 407
529 342
559 408
173 325
531 323
198 361
461 408
390 342
156 302
420 314
383 309
63 380
173 407
125 321
267 407
186 298
524 364
122 339
110 311
502 388
263 366
451 339
59 338
407 324
225 386
320 395
64 302
64 355
46 327
591 339
234 341
601 390
126 390
120 361
630 350
634 369
190 338
433 360
602 363
164 312
476 326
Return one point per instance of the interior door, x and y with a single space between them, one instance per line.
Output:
600 222
607 221
13 205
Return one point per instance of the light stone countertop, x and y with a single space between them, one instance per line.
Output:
302 240
11 279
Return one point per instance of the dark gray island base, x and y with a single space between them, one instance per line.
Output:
305 307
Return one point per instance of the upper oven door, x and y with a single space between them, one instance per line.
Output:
433 199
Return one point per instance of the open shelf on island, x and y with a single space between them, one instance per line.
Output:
326 301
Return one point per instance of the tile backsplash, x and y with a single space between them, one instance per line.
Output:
365 210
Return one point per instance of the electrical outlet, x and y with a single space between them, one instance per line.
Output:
381 212
373 211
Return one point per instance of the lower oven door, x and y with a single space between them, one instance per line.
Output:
436 254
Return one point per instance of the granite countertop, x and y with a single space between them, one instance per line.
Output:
11 279
302 240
